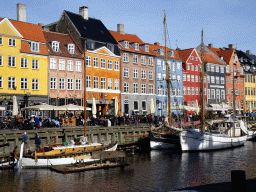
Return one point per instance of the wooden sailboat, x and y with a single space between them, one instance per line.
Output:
226 134
72 152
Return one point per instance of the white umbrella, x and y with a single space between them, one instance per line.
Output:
15 106
152 107
116 107
196 107
94 109
250 107
2 108
43 107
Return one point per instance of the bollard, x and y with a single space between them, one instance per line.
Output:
238 180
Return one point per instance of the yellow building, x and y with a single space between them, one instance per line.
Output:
23 64
250 92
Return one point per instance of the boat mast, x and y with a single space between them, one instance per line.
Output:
85 91
202 83
167 75
234 95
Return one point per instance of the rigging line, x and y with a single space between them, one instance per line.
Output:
168 37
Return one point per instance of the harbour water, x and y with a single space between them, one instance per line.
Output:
162 170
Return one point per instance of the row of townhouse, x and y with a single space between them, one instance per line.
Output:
56 62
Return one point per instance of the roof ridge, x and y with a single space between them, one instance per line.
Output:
55 32
80 15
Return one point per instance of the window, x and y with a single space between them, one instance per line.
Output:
103 83
212 68
196 67
70 65
178 78
136 105
53 83
158 62
110 67
196 90
222 81
11 83
116 65
173 66
143 88
126 87
116 84
159 91
207 67
161 51
179 91
55 46
217 69
192 67
164 76
110 83
196 78
11 61
70 84
126 57
135 59
192 78
1 82
136 46
1 40
102 63
78 84
78 66
34 47
143 105
88 61
150 75
227 79
196 58
208 79
24 63
95 62
217 94
62 83
110 47
23 83
188 67
223 94
1 60
88 81
126 44
164 66
135 87
135 73
227 69
178 65
159 77
126 72
184 77
222 69
95 82
217 80
143 74
62 64
173 91
35 84
151 89
146 48
184 90
192 58
12 42
192 91
212 79
150 61
188 89
143 60
53 63
35 64
212 93
188 77
90 44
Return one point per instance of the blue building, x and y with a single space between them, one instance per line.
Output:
175 71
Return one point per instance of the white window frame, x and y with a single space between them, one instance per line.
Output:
78 66
135 88
136 46
126 87
126 57
55 46
70 84
95 62
1 40
135 59
34 47
71 49
62 64
96 82
88 81
151 75
110 83
143 74
88 61
1 82
126 44
151 61
1 60
35 64
143 88
184 77
61 83
35 84
53 63
116 65
151 89
103 83
126 72
23 63
188 77
116 84
110 65
70 65
135 73
12 42
53 83
103 63
143 60
11 61
78 84
23 83
212 94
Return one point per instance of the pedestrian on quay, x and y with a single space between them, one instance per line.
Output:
37 142
25 141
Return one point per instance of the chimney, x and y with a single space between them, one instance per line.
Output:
120 28
83 11
210 45
21 12
157 43
231 46
248 52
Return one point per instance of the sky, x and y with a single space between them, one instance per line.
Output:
223 21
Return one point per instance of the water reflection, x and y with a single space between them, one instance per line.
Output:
154 171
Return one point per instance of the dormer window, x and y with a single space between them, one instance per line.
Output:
136 46
172 53
111 47
90 44
71 48
126 44
55 46
221 58
146 48
34 47
161 51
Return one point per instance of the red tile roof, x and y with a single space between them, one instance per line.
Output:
184 54
210 58
25 47
156 47
132 39
226 54
63 40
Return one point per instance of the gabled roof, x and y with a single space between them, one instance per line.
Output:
186 53
157 47
226 54
63 40
131 39
209 58
29 31
92 28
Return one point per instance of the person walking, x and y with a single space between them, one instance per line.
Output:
25 141
37 142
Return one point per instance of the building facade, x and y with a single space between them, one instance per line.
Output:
137 73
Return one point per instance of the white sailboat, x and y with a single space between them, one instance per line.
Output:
227 133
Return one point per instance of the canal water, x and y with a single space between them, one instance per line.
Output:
163 170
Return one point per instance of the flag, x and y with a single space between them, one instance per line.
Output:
164 17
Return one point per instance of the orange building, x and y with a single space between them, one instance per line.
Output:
233 70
